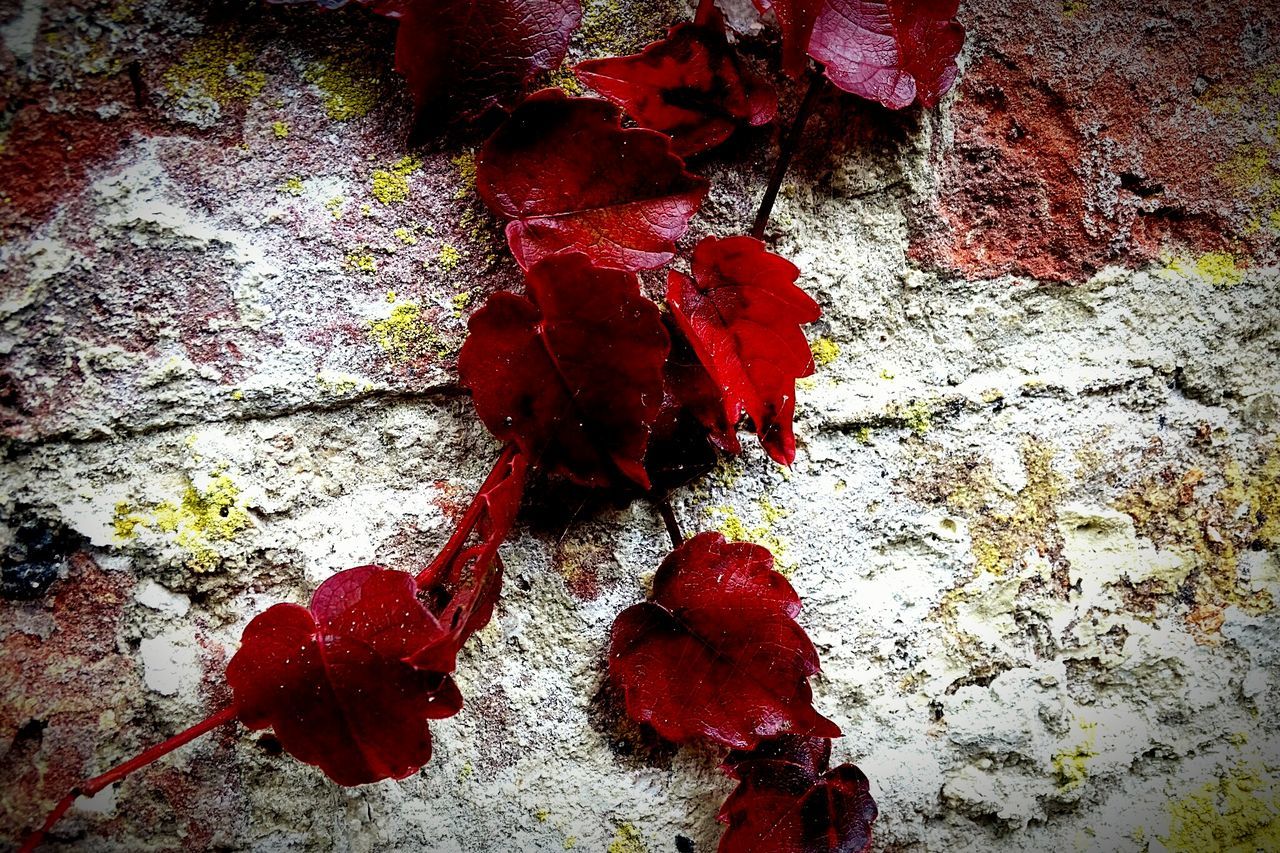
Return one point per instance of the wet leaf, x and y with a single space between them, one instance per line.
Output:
716 652
573 373
571 179
742 313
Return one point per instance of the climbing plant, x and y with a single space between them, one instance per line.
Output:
583 378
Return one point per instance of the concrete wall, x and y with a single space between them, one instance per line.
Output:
1034 516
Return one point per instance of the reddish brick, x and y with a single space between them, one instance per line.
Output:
1109 133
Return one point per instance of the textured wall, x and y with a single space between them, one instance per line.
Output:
1034 517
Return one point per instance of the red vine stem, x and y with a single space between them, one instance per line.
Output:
467 524
89 787
669 519
817 82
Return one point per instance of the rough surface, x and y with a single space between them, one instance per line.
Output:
1034 515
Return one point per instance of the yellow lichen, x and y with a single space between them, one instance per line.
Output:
218 67
1238 814
1248 170
127 521
291 186
1215 527
361 261
770 511
1251 172
627 840
334 206
280 129
388 187
122 11
341 384
405 335
460 302
404 235
542 815
1072 766
564 80
391 185
351 88
466 166
825 351
448 258
1216 268
198 520
1003 526
733 528
917 415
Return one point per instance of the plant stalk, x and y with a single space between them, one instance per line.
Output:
670 520
817 82
89 787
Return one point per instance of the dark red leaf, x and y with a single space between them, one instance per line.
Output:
570 179
811 754
789 802
466 56
334 683
742 312
795 19
573 377
716 652
690 86
469 55
691 419
466 577
891 51
695 391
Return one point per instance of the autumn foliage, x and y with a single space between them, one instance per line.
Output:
716 653
582 377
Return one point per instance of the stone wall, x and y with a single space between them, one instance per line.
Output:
1034 517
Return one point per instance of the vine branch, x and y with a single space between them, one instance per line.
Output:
89 787
670 520
790 142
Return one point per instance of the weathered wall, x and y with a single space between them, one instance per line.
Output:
1034 517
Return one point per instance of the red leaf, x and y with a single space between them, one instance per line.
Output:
475 54
716 651
690 86
692 418
470 55
795 19
334 683
570 179
812 754
789 802
891 51
692 388
573 377
742 312
467 575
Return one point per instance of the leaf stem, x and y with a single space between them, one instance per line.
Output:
670 520
466 526
790 142
89 787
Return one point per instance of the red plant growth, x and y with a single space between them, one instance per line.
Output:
582 378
